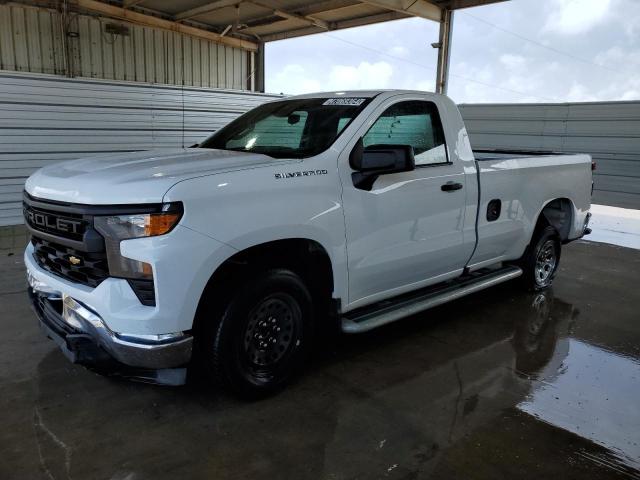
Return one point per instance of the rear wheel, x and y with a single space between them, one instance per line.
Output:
541 260
261 341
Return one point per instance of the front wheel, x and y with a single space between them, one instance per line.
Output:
541 260
261 341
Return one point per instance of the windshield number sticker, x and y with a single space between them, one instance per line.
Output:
355 102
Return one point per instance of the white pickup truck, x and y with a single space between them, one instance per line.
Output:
349 209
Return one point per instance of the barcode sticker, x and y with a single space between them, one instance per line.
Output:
345 101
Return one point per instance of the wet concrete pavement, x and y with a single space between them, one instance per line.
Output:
501 384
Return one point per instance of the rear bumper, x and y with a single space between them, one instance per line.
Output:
586 230
85 339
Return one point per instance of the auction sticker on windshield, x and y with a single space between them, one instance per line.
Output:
345 101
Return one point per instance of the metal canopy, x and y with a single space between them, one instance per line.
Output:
249 23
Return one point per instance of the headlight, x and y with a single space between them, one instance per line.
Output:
123 227
116 228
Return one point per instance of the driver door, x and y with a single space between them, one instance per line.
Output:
407 231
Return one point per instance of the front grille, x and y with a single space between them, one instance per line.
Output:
66 225
67 244
82 267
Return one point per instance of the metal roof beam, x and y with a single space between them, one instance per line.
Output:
368 20
292 16
416 8
203 9
355 22
309 11
457 4
326 6
316 7
131 3
150 21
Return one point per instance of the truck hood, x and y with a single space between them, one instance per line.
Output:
138 177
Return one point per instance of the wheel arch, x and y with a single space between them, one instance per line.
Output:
306 257
559 213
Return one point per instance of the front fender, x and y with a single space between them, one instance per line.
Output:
252 207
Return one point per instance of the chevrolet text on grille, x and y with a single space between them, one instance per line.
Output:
53 222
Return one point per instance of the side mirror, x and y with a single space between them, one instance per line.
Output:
377 160
293 119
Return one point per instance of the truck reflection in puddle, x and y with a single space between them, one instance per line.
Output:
421 417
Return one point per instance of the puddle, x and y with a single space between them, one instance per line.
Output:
595 394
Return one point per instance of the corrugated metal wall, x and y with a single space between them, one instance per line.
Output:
608 131
45 119
31 41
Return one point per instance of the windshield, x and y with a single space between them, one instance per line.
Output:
289 128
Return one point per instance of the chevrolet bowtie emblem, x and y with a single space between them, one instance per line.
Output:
74 260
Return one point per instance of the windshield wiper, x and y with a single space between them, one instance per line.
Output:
273 152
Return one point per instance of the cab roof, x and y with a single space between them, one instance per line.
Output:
357 93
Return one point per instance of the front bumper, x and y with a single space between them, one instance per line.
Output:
85 339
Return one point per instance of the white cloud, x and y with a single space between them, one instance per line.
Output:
570 17
579 93
513 62
631 95
364 75
294 79
399 51
426 85
623 81
617 57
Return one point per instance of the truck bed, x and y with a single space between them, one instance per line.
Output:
523 182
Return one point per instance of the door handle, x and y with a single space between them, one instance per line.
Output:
451 186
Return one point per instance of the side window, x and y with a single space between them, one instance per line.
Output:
342 122
272 131
415 123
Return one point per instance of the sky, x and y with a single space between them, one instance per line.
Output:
516 51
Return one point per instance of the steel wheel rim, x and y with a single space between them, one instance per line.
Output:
546 262
271 331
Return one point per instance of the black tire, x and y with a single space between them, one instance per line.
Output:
541 259
263 336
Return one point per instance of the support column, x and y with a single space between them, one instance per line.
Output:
258 73
64 35
444 51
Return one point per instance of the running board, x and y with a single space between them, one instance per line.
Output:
366 318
